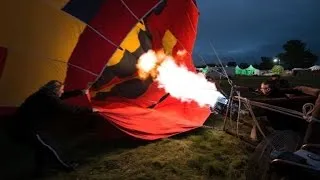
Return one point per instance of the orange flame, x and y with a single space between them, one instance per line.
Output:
149 62
181 52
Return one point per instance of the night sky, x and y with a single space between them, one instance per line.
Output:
248 29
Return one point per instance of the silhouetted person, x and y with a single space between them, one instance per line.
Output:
42 106
279 83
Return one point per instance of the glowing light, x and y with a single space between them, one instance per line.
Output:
146 63
177 80
181 52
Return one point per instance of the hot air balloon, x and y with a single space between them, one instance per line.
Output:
98 43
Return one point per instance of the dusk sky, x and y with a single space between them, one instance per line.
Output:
248 29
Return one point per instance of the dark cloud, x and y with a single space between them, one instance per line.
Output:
241 28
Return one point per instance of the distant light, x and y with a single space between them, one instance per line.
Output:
275 60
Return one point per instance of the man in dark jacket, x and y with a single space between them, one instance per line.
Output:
267 89
44 105
270 89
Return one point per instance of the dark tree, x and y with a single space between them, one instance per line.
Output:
256 65
212 64
201 66
244 65
266 63
232 64
296 55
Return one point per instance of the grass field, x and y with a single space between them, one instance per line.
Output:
202 154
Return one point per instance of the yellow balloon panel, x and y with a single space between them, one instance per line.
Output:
168 42
131 43
40 39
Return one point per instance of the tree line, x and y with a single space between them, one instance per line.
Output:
295 55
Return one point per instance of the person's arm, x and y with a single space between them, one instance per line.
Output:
308 90
253 89
63 108
74 93
246 89
291 91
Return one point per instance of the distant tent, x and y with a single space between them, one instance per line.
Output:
277 69
302 72
218 72
230 71
205 70
250 71
238 70
298 69
315 68
253 71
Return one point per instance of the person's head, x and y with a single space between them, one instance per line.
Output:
267 87
54 86
275 77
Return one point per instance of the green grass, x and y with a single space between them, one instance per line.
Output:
201 154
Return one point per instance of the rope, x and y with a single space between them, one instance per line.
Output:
225 72
238 117
225 94
307 109
100 34
132 13
231 110
83 69
211 127
248 106
228 108
221 74
217 72
148 12
203 60
49 2
112 43
192 26
52 150
103 37
210 69
247 103
207 127
279 109
306 114
58 60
